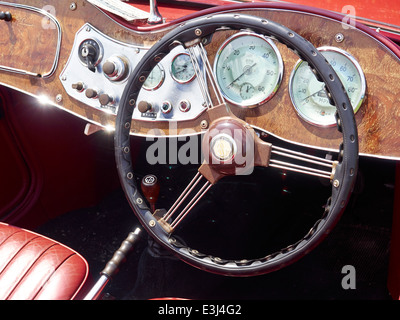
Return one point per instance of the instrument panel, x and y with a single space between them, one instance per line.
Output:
172 91
248 68
99 67
98 55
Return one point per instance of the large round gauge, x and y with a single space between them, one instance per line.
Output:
182 69
155 79
248 69
309 96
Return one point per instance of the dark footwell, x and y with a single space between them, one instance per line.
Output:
361 240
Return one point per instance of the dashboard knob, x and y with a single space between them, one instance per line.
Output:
91 93
151 189
105 99
6 16
116 68
78 86
144 106
109 68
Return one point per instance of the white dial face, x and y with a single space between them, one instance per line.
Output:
182 69
309 96
155 79
248 68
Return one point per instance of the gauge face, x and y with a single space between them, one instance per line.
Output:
248 68
182 69
155 78
309 96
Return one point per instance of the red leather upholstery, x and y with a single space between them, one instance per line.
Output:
33 267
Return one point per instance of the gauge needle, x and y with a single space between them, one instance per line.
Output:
247 70
314 94
182 69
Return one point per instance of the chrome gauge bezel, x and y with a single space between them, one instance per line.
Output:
173 74
357 105
279 77
159 81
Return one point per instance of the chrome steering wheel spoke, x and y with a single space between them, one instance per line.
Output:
283 158
174 216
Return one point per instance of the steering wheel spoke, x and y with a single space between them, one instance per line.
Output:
283 158
184 204
199 57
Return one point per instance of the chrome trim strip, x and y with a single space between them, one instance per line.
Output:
56 58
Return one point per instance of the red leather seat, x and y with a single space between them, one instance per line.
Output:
33 267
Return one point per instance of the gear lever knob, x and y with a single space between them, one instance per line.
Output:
151 189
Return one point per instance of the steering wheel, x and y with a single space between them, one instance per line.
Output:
220 144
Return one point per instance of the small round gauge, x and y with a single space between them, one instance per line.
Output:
309 96
248 68
182 69
155 79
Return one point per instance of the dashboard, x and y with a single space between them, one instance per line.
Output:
83 59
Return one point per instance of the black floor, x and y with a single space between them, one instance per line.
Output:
361 239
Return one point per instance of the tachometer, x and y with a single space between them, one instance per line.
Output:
309 96
248 68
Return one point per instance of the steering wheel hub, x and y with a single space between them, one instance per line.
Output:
228 147
223 147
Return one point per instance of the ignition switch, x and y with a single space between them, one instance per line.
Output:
90 54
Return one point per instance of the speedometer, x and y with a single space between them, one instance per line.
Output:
309 96
248 69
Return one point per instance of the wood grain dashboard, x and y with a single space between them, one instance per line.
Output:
39 48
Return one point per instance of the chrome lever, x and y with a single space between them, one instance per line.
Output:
155 16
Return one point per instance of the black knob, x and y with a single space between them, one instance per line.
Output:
6 16
144 106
